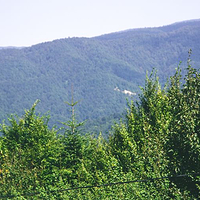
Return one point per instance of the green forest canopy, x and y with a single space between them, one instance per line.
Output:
95 67
159 137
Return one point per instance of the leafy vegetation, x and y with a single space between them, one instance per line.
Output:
153 153
95 67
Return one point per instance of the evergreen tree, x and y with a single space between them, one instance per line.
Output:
184 137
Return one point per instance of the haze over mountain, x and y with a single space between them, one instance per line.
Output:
99 70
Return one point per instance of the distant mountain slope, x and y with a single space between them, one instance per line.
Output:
94 67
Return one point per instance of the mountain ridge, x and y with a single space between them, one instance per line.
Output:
122 31
95 67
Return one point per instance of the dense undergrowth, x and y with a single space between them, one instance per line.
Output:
155 150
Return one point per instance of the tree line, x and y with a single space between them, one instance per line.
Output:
158 137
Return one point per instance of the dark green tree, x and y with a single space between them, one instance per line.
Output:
72 144
184 137
30 151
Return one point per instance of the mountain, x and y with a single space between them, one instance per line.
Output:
99 72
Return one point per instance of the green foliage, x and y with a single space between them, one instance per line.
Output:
30 137
153 153
163 130
95 66
184 138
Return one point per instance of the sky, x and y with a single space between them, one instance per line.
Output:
29 22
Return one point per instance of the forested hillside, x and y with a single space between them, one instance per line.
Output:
153 153
96 70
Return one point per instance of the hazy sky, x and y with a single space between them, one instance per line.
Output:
28 22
